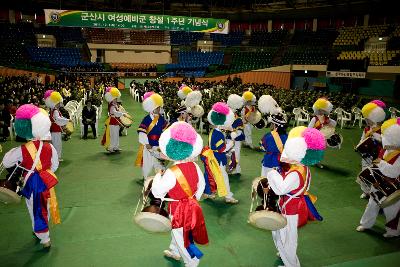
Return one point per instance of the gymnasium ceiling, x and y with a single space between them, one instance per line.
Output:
237 10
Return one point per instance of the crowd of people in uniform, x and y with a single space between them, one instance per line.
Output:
166 134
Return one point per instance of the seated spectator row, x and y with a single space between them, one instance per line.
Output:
68 57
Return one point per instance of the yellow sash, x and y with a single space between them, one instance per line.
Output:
391 155
216 172
303 171
277 140
107 133
139 156
182 180
371 131
54 210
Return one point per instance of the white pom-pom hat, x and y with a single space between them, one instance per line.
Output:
151 101
221 115
235 102
268 105
391 132
111 94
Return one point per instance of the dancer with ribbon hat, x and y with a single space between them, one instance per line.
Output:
184 184
149 131
39 160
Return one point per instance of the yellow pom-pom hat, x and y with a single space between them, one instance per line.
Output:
183 91
52 98
111 94
151 101
391 132
249 97
374 111
322 105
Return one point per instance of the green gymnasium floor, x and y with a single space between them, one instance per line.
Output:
97 194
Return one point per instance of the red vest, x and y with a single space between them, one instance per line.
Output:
318 125
186 213
292 207
55 128
113 120
45 159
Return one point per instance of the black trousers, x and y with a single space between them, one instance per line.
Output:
85 129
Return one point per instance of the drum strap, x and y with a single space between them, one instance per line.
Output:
305 188
277 140
180 178
372 131
35 155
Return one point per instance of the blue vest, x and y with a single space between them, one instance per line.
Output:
216 142
272 153
155 133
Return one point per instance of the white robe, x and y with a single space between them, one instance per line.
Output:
285 239
114 130
372 210
160 187
56 139
11 158
149 161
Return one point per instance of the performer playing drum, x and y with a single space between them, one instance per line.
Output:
235 102
249 111
389 166
149 133
184 184
267 215
322 108
304 147
110 139
53 100
40 160
374 114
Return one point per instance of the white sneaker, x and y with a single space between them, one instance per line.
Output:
387 235
169 254
60 160
360 228
278 255
364 196
231 200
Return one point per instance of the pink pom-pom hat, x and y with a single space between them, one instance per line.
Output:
221 107
379 103
48 93
147 94
315 140
183 132
26 112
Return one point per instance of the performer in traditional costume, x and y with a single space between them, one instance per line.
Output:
39 160
235 102
249 107
272 143
389 166
374 114
53 100
111 134
214 156
149 132
304 147
322 108
190 107
184 184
